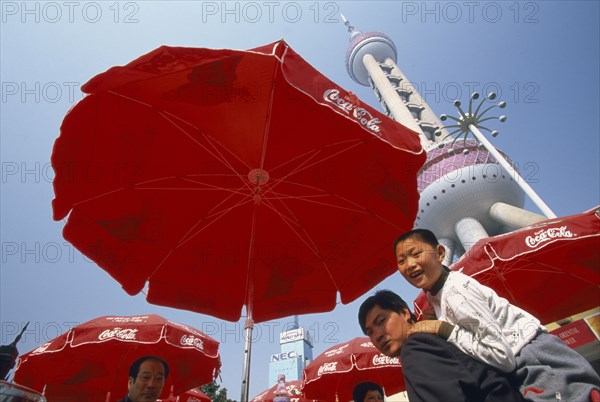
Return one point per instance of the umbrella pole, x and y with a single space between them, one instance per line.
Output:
249 324
248 327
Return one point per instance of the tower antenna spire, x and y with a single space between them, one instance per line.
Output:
347 23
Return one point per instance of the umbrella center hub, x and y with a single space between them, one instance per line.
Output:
258 177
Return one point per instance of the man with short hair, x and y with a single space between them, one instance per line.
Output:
367 391
147 377
434 369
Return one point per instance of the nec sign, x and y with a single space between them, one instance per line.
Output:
284 356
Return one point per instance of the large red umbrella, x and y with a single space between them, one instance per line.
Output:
192 395
334 373
93 359
293 387
224 178
551 269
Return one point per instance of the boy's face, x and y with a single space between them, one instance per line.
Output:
387 329
419 262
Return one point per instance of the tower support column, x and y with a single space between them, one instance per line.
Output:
399 111
449 245
512 172
427 115
514 217
469 231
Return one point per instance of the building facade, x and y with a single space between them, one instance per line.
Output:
296 352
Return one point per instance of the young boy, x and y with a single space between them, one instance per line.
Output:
482 324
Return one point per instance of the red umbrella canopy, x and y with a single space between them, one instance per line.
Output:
192 395
551 269
334 373
93 358
224 178
293 388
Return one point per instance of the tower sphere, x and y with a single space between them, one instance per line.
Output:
458 184
380 46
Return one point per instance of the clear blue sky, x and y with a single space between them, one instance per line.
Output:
541 56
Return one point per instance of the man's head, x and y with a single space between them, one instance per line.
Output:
419 257
385 318
147 377
367 392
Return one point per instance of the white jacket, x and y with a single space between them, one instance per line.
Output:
486 326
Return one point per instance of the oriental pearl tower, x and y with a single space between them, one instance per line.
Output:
468 189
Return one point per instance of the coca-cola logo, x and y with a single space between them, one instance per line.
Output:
190 340
327 368
336 351
118 333
362 115
547 234
380 360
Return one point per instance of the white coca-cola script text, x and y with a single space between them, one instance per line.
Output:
379 360
327 368
190 340
362 115
547 234
119 333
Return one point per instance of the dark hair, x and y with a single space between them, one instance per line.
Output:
422 234
387 300
135 367
360 390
